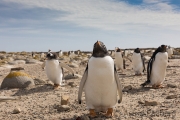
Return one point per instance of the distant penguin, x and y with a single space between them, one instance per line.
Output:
71 55
170 51
119 61
126 52
138 62
33 55
112 53
156 70
42 56
60 53
54 69
100 82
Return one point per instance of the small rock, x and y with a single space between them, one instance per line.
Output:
70 76
31 61
127 88
39 82
62 108
20 61
164 93
151 103
71 84
16 111
73 65
64 100
171 97
84 118
140 102
172 85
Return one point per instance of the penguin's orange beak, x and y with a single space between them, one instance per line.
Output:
98 43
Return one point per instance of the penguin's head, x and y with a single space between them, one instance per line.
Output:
118 49
137 50
163 48
51 56
99 49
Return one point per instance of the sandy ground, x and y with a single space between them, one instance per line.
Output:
40 102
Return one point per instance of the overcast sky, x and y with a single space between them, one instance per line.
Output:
39 25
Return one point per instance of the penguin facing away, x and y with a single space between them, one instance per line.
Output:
100 82
119 61
156 69
54 69
138 62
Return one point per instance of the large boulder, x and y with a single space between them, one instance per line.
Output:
17 79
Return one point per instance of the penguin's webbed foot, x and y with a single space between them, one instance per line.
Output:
109 112
145 83
92 113
79 101
56 86
157 86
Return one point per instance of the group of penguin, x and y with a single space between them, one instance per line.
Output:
100 80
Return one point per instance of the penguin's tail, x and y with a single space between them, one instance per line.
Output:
145 83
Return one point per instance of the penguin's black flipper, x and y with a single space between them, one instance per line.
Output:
144 68
149 68
82 83
124 63
119 87
145 83
62 72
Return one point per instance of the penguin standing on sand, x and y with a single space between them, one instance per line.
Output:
42 56
138 62
100 82
54 69
156 70
170 51
60 53
120 62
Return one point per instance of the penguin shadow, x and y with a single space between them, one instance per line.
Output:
100 116
37 89
139 89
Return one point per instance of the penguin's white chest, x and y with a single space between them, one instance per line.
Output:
119 60
53 71
170 52
60 54
158 72
137 63
100 87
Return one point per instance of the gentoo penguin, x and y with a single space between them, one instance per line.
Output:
170 51
138 62
156 69
119 61
54 69
126 52
60 53
71 55
42 56
100 82
33 55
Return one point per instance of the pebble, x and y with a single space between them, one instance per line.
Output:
127 88
64 99
151 103
171 97
62 108
172 85
16 111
